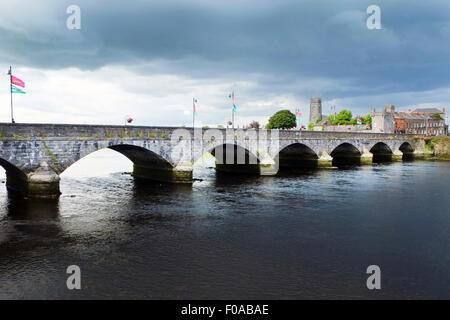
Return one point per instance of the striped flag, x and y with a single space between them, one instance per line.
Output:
15 89
232 101
17 81
193 105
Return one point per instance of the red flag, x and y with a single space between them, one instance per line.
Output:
17 82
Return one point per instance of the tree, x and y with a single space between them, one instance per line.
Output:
437 116
367 119
254 125
283 119
311 126
343 117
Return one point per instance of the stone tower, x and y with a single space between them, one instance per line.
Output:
315 109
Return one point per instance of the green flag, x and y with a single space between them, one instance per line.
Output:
15 89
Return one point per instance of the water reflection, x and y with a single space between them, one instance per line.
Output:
301 234
20 208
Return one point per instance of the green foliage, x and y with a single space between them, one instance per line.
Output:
343 117
437 116
151 135
139 134
310 126
163 135
367 119
318 120
108 134
17 136
1 134
50 154
283 119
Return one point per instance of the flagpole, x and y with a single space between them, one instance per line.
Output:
232 110
193 130
10 88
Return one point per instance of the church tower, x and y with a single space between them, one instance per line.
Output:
315 109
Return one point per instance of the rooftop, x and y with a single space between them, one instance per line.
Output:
428 110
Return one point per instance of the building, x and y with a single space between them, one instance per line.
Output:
315 109
430 121
383 121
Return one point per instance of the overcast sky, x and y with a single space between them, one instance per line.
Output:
147 59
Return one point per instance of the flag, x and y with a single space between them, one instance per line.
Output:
15 89
393 120
193 105
298 115
129 119
358 121
17 81
232 101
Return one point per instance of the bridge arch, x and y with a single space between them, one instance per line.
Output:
296 155
16 179
345 149
147 163
380 148
234 158
345 154
406 148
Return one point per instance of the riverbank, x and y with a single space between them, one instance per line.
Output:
438 147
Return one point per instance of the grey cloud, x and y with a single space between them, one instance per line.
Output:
278 43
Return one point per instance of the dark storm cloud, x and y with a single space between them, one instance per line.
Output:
281 43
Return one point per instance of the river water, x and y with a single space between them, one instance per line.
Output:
306 235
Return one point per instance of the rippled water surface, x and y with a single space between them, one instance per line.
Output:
307 235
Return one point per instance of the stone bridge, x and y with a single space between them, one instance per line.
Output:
34 155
